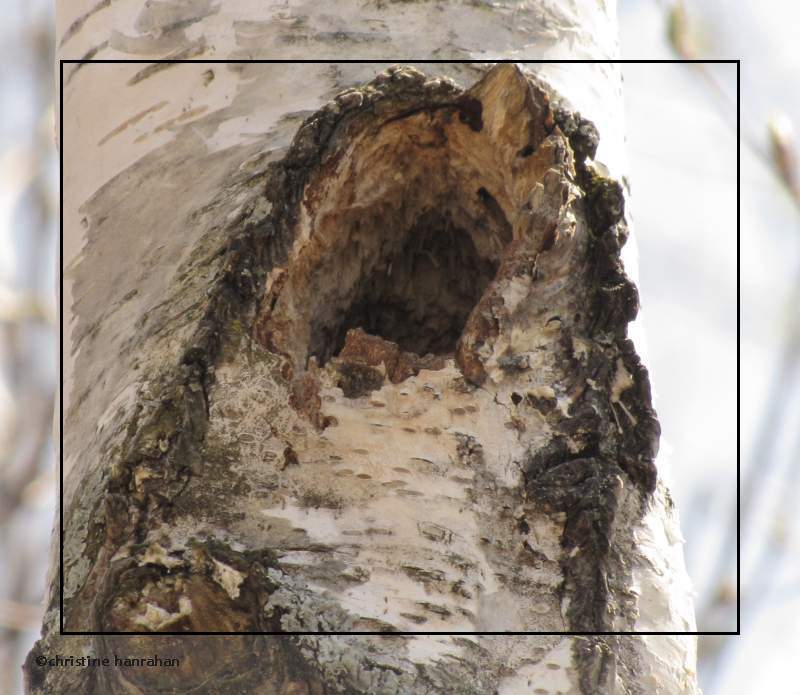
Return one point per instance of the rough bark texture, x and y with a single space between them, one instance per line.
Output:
495 485
364 370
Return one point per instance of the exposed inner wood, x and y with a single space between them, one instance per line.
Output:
406 228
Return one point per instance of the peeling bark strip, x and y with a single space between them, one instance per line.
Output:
404 401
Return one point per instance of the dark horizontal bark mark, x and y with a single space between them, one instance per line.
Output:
78 23
192 51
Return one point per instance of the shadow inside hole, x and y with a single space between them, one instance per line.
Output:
418 296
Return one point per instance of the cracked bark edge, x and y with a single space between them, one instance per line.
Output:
584 486
589 485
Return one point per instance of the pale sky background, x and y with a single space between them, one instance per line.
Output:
681 147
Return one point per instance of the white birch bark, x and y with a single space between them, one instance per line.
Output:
222 224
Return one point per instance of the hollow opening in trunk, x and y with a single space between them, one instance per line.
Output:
401 235
417 295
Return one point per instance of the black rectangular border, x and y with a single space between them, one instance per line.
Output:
395 62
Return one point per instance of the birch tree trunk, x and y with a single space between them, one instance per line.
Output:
348 353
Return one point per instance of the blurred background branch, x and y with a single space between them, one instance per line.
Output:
685 38
28 206
770 448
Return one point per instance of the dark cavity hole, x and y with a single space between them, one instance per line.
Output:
419 295
526 151
471 113
549 239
